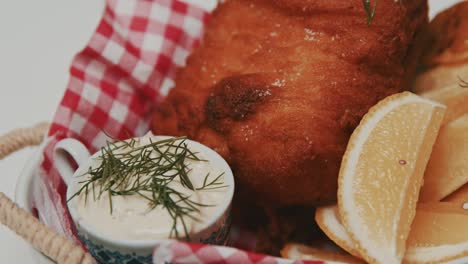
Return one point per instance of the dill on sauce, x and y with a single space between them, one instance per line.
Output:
126 168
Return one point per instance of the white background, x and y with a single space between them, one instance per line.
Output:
38 40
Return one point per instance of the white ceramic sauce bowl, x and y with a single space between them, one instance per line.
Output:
108 250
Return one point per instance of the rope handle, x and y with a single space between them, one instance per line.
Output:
21 138
50 243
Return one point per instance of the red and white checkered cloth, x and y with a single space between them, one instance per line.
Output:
184 253
127 67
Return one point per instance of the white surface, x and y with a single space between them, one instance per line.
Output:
38 40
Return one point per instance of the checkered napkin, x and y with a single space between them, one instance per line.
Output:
127 67
183 253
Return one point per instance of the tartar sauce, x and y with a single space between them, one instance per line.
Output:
132 217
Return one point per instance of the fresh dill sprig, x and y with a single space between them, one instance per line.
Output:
126 168
462 83
214 184
371 9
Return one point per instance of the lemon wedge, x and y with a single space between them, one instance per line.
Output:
382 172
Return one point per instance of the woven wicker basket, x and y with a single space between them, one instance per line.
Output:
55 246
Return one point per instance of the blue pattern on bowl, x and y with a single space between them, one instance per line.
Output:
105 256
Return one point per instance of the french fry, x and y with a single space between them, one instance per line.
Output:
440 77
303 252
455 97
459 196
447 169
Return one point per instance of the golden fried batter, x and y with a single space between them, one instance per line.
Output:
445 50
447 37
277 87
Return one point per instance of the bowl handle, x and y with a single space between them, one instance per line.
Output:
57 247
64 149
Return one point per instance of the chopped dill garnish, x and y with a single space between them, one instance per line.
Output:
370 11
126 168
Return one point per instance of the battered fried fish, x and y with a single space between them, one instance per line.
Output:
277 87
445 50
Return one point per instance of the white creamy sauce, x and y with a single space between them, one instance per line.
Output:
133 219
